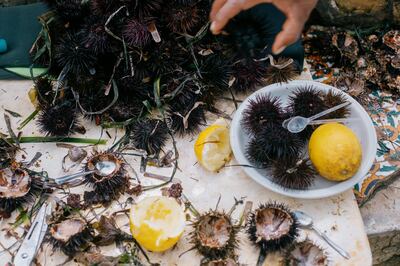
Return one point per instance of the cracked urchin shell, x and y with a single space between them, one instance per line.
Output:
59 120
273 143
295 173
72 55
272 227
110 186
214 236
263 109
281 75
248 75
149 135
306 253
70 236
17 187
220 262
332 99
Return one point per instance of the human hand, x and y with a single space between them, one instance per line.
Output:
296 12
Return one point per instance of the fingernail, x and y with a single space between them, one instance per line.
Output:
280 50
212 27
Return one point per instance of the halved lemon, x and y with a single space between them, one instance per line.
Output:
212 147
157 223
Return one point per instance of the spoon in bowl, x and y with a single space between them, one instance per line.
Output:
102 168
299 123
306 221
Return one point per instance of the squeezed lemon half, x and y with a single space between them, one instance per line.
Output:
157 223
212 147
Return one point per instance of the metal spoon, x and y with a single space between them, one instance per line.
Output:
299 123
306 221
103 168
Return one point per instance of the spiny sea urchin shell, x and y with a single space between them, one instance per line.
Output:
215 72
279 73
273 143
136 34
72 55
44 90
146 8
248 75
149 135
306 253
262 110
59 120
332 99
182 18
71 11
104 7
214 235
295 173
17 187
186 113
272 227
306 101
96 39
111 184
7 153
70 236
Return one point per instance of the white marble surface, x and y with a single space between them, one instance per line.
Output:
338 216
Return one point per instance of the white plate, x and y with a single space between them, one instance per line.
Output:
321 188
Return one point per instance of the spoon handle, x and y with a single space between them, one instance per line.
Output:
330 110
341 251
335 120
64 179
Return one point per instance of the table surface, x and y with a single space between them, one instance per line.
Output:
339 216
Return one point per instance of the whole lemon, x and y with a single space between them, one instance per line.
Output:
335 151
157 223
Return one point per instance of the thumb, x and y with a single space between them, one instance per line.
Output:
289 34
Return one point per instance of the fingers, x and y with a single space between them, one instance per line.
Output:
228 10
216 6
289 34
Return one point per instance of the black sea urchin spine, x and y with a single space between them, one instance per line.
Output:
296 173
332 99
149 135
273 143
248 75
262 110
74 244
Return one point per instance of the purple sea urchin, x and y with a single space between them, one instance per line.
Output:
59 120
17 187
104 7
281 71
44 90
272 227
145 8
182 18
248 75
262 110
96 39
71 11
306 101
70 236
273 143
295 173
72 55
136 34
332 99
186 113
149 135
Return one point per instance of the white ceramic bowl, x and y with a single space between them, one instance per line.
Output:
321 188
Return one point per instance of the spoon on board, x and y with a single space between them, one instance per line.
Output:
299 123
102 168
306 221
